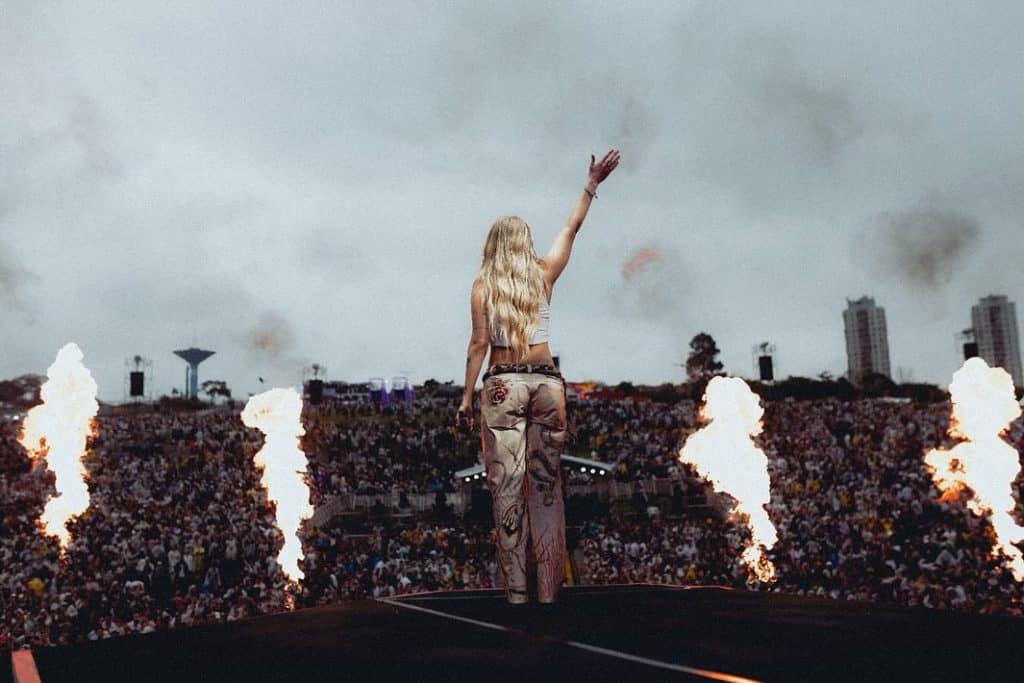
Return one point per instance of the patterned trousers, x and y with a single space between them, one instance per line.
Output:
523 429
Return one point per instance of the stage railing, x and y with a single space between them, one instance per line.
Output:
610 489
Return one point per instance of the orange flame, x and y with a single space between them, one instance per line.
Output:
983 406
57 429
278 414
723 452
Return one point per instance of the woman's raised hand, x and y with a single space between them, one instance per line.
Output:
602 169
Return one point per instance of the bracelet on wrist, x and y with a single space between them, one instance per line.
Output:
593 195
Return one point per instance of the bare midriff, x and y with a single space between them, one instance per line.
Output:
538 355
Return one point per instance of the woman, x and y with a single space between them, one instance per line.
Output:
522 406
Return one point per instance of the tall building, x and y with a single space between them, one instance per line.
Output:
867 339
995 330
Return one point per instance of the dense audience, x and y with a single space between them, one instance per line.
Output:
179 530
405 447
857 514
411 560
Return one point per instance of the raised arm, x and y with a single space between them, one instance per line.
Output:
558 256
479 343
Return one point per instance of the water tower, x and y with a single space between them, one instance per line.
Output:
193 357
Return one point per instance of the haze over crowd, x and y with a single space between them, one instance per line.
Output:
313 183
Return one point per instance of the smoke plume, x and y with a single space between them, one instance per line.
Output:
11 277
272 335
270 346
651 285
635 128
923 246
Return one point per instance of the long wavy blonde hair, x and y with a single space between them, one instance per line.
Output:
513 282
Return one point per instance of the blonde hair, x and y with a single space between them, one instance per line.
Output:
513 282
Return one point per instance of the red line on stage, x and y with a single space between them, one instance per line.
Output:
24 667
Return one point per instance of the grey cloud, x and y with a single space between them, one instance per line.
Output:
57 142
198 168
331 251
923 246
71 150
764 116
90 131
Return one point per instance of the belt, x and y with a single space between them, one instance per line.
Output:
527 368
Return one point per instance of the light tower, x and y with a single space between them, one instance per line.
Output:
764 361
193 357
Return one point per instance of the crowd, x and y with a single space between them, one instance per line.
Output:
179 530
641 437
390 562
405 447
411 448
857 514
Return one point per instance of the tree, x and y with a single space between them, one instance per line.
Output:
215 387
703 363
875 384
626 388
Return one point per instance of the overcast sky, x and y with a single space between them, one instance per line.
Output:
289 186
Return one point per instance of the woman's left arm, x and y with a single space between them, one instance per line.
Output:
479 344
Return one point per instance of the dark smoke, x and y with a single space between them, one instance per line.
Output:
922 246
270 346
272 335
823 116
635 129
11 277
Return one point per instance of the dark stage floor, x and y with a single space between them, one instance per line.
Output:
637 633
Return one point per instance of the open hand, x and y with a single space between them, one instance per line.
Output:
602 169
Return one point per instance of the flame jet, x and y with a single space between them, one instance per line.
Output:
984 404
58 429
723 452
277 413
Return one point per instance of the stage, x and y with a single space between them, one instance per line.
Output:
621 633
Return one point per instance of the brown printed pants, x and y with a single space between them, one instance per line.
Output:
523 429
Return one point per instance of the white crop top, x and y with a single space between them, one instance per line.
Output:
540 335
